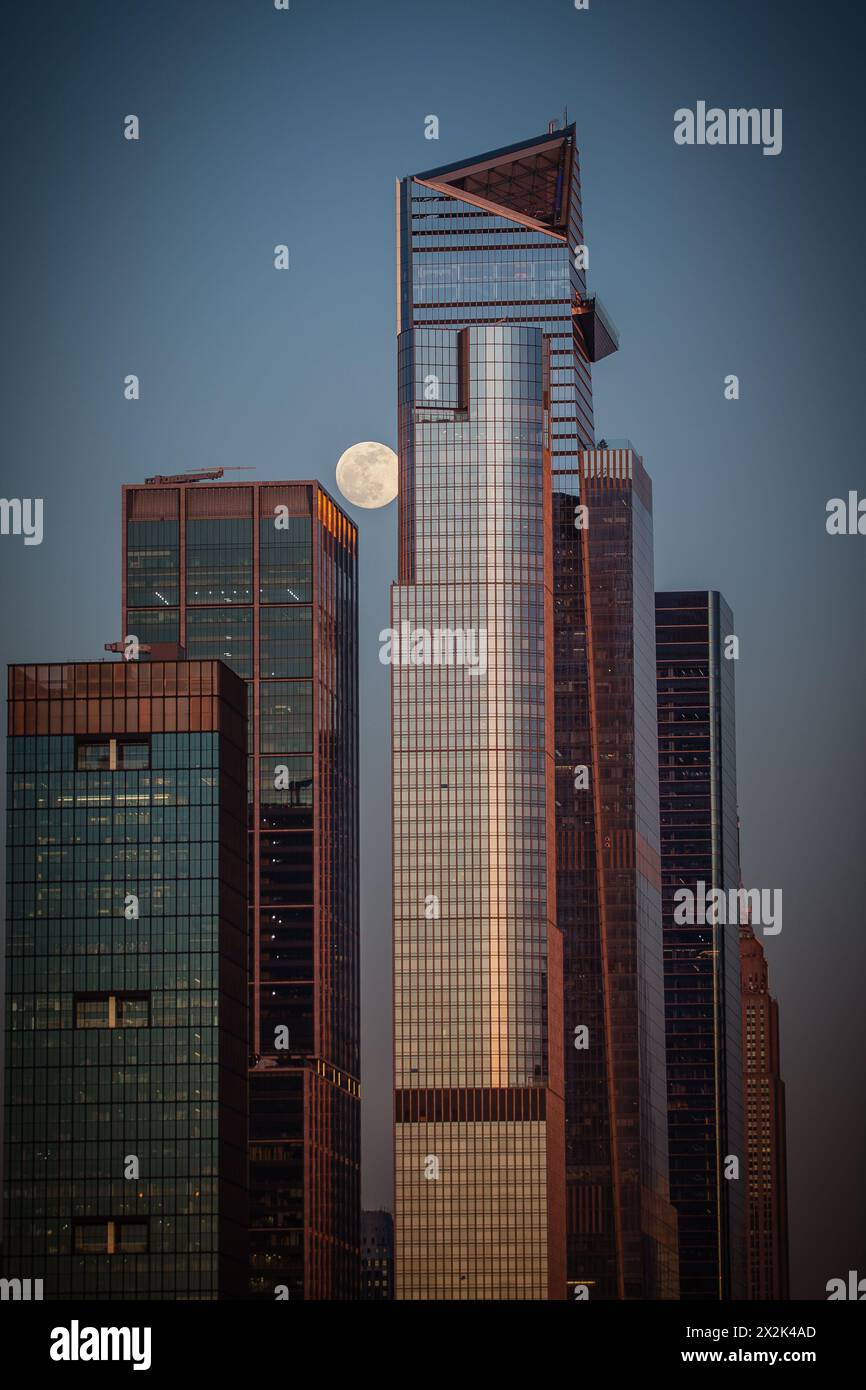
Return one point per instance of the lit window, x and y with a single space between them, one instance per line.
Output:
121 1237
112 1011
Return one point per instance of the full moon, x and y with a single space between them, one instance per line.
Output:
367 474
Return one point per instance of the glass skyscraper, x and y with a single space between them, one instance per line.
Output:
478 962
494 240
497 332
126 968
699 843
622 1240
264 576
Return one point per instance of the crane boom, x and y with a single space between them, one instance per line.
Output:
196 475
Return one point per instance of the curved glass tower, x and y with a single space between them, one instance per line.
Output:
478 958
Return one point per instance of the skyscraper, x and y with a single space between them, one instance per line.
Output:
766 1143
264 575
698 800
126 980
622 1239
497 332
478 962
497 239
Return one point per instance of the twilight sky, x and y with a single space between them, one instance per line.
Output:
261 127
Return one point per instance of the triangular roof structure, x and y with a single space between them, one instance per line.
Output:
527 182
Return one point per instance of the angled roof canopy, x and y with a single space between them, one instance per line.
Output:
528 181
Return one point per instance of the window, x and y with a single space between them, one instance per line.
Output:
130 1236
124 1236
112 1011
152 564
219 560
285 560
92 1013
92 1239
112 754
132 754
93 757
132 1011
286 717
286 642
226 633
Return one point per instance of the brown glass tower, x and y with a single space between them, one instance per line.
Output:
263 575
622 1230
764 1115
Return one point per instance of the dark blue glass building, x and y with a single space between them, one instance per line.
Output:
699 839
126 981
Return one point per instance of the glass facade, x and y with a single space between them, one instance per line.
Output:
494 399
493 241
126 1001
698 795
621 1226
493 244
265 577
477 961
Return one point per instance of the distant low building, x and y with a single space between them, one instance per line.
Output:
377 1255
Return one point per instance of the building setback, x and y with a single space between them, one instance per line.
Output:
126 981
264 575
766 1142
622 1229
699 843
